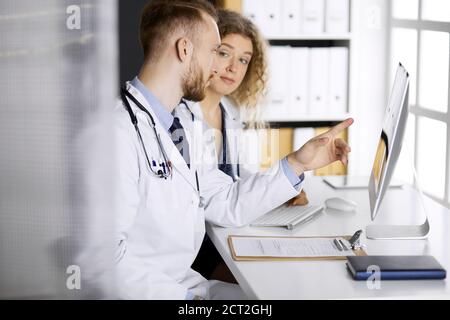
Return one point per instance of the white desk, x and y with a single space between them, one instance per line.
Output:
330 279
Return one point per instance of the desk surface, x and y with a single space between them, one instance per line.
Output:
330 279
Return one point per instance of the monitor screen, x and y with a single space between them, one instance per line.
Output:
390 141
379 164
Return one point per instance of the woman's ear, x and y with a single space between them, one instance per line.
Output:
184 48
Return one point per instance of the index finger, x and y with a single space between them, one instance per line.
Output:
341 126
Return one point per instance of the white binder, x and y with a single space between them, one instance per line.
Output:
299 82
271 22
337 16
313 16
278 92
338 80
291 17
253 10
319 75
301 136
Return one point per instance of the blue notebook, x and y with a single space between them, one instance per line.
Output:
396 267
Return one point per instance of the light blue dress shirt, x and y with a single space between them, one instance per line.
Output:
163 115
295 180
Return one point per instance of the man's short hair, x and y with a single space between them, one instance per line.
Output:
160 19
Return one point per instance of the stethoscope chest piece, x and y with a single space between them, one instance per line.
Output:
201 202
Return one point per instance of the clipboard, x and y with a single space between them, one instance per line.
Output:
358 252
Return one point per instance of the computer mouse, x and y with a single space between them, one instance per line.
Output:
340 204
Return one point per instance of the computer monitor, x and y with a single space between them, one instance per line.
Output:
390 141
387 154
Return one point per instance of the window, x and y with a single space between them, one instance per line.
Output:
420 39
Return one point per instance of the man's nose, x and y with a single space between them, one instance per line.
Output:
214 68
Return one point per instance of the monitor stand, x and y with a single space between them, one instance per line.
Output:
416 201
400 232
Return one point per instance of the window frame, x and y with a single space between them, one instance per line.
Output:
418 111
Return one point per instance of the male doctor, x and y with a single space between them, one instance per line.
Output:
164 199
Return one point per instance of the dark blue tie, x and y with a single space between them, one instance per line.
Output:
179 139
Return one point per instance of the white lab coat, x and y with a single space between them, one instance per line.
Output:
160 225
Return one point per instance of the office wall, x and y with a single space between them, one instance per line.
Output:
130 53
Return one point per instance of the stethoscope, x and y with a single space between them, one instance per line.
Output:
163 169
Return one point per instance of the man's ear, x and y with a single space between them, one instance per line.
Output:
184 48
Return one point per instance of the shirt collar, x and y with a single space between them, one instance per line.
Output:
163 115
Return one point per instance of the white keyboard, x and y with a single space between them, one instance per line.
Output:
287 217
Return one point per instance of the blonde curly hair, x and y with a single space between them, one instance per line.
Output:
253 86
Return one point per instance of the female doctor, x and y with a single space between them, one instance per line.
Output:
235 90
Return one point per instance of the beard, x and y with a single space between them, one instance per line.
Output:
194 84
